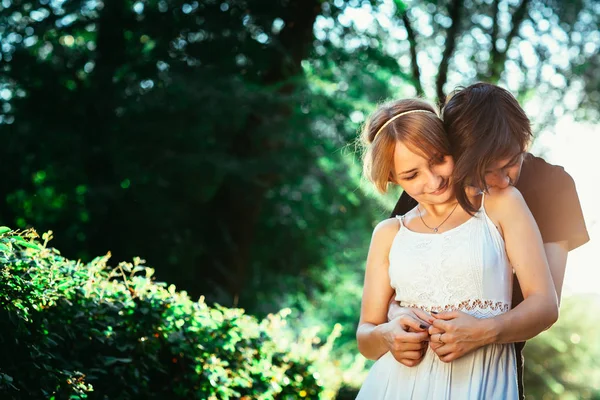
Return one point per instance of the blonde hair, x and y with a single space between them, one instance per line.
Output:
414 122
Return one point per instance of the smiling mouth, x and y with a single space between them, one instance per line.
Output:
442 188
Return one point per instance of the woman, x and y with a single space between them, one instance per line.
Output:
441 257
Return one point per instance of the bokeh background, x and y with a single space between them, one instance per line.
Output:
217 140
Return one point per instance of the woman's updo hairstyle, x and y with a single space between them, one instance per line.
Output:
415 123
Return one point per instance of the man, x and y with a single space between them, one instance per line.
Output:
488 133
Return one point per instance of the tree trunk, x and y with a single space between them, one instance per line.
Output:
241 202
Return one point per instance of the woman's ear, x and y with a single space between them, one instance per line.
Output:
391 178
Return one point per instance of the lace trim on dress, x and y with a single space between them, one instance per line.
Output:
469 305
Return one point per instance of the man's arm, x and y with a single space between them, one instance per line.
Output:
405 204
556 253
551 195
463 333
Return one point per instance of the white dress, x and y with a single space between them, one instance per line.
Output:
466 269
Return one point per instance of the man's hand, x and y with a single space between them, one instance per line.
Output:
454 334
406 337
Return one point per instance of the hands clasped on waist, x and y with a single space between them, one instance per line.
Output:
450 335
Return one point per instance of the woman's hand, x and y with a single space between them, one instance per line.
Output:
395 311
454 334
406 337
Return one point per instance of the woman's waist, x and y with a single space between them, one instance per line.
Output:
480 308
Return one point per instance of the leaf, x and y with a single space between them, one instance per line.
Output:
108 361
30 245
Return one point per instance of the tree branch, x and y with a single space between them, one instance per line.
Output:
494 54
517 19
454 10
416 73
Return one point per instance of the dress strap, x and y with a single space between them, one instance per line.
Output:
482 201
401 219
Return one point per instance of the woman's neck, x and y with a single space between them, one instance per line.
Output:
441 210
438 210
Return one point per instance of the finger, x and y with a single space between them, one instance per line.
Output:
395 310
423 315
449 357
410 355
410 337
433 330
410 322
398 347
435 338
438 338
434 346
447 338
420 330
448 315
409 363
442 325
443 350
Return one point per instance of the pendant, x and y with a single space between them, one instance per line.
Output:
435 230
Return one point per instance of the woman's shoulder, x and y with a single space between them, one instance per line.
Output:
499 202
509 193
386 230
389 226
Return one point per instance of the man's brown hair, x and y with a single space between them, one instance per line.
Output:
484 124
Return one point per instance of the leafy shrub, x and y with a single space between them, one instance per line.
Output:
77 331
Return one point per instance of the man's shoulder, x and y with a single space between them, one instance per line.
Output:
538 165
539 175
551 195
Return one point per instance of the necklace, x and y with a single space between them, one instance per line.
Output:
435 230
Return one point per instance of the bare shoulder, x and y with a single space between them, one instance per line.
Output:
509 193
502 202
385 231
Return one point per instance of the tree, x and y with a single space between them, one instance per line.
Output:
173 130
538 49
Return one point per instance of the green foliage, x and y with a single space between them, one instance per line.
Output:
195 121
215 138
564 362
71 330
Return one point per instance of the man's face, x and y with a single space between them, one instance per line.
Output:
504 172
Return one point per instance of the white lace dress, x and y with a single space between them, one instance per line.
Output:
466 269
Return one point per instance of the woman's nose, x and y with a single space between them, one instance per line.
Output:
435 181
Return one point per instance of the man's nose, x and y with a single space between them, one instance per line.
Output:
502 181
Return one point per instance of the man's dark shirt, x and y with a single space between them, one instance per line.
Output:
551 196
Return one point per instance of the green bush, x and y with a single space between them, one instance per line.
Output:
70 330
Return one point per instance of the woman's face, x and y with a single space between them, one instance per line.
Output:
427 180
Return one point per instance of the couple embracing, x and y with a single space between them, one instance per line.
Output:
472 262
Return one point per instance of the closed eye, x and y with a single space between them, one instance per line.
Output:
513 162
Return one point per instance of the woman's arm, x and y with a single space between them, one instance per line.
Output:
539 310
376 336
